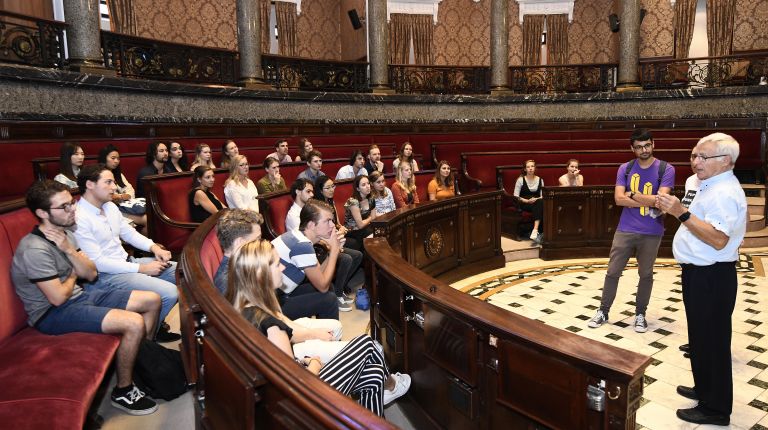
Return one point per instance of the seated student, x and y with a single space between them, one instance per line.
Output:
528 190
314 166
354 168
239 190
305 147
101 229
202 201
441 186
325 190
360 210
281 152
305 274
70 162
45 269
177 160
124 197
301 190
155 158
237 227
404 188
357 368
573 178
374 163
228 151
203 157
272 181
405 154
385 203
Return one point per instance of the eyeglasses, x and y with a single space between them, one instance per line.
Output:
645 147
67 206
705 157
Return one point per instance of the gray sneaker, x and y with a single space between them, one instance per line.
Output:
599 319
641 325
343 305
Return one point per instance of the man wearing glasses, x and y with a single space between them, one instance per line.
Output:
45 270
713 221
640 227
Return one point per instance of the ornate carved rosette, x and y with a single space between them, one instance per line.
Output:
433 242
315 75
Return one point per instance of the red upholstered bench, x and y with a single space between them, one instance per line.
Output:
47 381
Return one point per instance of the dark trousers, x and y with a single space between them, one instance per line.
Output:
306 301
709 295
537 209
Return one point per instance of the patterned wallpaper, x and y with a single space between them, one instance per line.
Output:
515 35
462 33
589 37
318 30
196 22
751 25
657 32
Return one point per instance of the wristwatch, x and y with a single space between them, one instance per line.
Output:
684 217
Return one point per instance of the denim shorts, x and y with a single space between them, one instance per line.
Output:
84 313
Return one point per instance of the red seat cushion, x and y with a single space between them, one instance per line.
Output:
50 381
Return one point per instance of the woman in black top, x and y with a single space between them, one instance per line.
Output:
202 202
528 190
359 368
324 189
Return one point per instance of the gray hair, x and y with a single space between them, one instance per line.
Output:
724 144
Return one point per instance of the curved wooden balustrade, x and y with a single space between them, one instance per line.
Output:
474 365
242 380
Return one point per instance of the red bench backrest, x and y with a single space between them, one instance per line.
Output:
15 222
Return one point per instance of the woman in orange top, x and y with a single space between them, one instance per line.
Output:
404 188
441 186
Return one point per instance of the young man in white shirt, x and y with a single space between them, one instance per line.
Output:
100 230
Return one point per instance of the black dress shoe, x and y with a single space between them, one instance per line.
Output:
697 416
686 355
164 335
687 392
685 348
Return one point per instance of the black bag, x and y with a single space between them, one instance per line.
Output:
159 371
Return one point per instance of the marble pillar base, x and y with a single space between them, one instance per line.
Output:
382 90
91 68
254 84
623 88
501 92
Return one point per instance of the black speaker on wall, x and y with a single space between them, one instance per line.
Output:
354 18
613 20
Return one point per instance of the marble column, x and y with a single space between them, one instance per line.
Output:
629 46
249 44
499 46
83 35
378 46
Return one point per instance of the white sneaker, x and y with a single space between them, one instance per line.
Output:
534 234
402 384
343 305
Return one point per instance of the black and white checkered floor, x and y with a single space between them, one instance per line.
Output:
565 294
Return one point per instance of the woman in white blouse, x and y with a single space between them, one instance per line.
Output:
239 190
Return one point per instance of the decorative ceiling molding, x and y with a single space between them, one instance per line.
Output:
296 2
546 7
415 7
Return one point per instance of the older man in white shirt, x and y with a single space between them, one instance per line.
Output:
713 221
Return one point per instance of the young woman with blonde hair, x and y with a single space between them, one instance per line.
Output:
404 188
202 157
239 190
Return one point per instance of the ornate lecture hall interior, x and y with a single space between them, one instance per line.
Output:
488 299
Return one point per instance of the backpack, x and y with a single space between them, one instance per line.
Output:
662 169
159 371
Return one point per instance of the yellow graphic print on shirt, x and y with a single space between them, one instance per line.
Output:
634 186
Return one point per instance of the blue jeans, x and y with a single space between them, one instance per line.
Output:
163 284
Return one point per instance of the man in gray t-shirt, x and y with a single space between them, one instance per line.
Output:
45 269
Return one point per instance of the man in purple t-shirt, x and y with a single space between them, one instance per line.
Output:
640 226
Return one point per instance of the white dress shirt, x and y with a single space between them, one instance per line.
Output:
241 197
99 231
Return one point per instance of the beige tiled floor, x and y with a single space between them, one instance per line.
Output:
565 294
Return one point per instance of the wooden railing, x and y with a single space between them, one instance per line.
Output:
139 57
31 41
412 79
705 72
306 74
571 78
474 365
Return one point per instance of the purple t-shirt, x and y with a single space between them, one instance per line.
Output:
643 181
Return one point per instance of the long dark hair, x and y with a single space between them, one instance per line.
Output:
183 161
356 191
199 172
68 149
319 184
103 154
447 182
